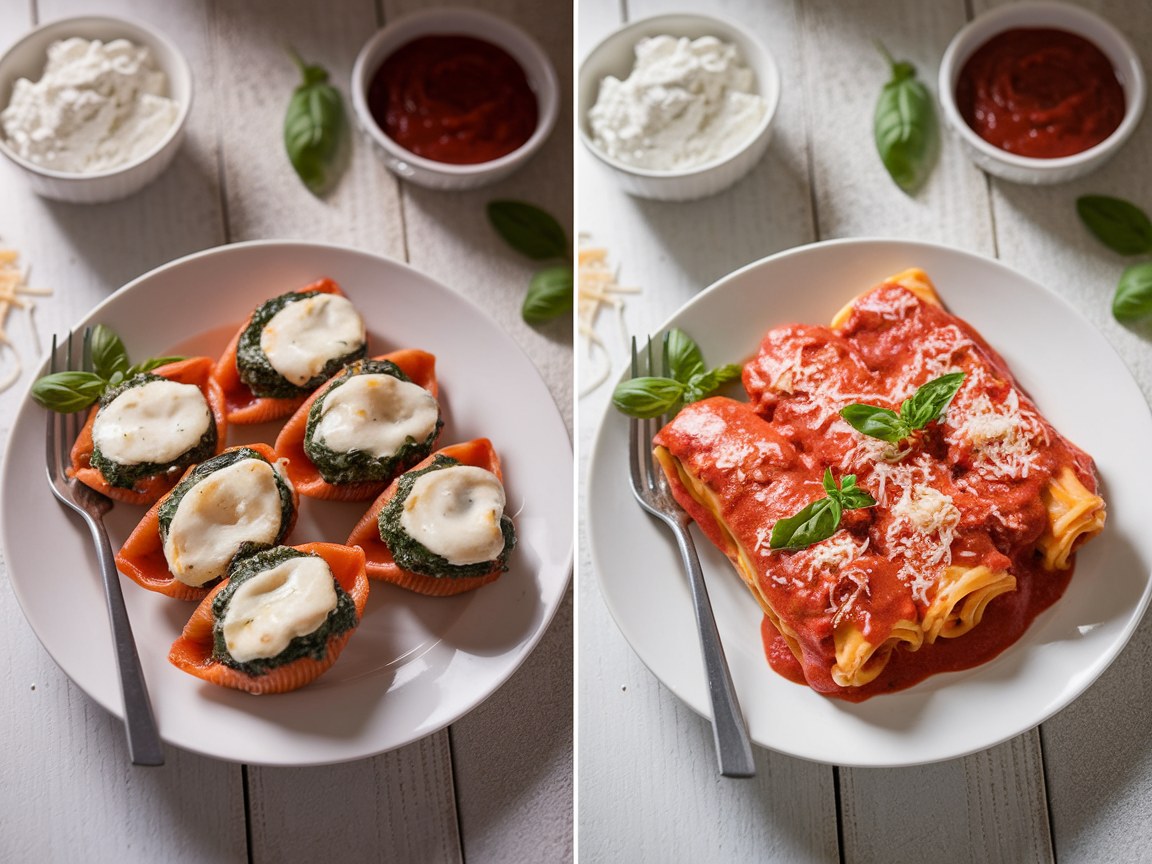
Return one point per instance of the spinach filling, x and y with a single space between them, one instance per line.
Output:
357 466
200 472
123 476
253 366
414 556
314 644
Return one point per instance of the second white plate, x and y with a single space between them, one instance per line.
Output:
1076 379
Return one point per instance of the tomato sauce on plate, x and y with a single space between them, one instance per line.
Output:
453 99
1040 93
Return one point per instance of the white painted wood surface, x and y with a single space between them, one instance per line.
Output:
497 786
1076 789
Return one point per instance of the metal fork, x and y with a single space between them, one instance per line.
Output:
650 486
143 739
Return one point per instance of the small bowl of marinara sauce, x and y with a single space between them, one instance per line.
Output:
454 98
1041 92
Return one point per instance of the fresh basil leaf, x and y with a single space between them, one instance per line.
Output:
68 392
882 423
1121 226
829 482
1134 293
108 352
905 127
647 397
930 400
699 386
818 521
848 496
528 229
312 126
149 365
855 499
549 294
685 360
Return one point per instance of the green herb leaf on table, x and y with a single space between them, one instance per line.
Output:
924 406
549 294
312 126
905 126
1133 297
820 519
686 379
69 392
529 230
536 234
1120 225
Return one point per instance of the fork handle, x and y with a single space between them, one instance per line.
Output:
143 738
733 749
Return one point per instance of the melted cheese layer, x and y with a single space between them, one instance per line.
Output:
237 504
455 512
303 336
156 422
375 413
275 606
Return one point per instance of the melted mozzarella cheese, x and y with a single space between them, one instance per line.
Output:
375 413
303 336
275 606
455 512
155 422
237 504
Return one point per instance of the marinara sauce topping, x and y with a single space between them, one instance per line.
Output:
453 99
1040 93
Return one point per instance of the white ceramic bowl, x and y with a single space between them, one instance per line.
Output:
459 22
26 59
615 56
1060 16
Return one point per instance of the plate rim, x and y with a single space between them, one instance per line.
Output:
598 452
555 417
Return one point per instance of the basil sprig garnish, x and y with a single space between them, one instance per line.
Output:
313 125
69 392
917 411
529 230
820 519
537 235
1125 228
686 379
905 126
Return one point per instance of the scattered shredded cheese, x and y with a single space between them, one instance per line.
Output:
14 291
596 288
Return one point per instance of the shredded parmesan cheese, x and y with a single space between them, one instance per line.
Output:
596 288
14 291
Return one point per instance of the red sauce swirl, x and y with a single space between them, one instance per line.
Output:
453 99
1040 93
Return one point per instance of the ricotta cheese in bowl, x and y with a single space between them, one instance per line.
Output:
98 106
686 103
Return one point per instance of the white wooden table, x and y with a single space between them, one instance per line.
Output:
1077 789
494 787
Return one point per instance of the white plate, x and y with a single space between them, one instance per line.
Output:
416 663
1081 386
